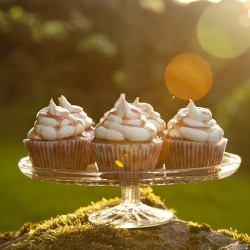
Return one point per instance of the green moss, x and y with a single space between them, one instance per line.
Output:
75 234
74 231
234 234
149 198
196 228
27 227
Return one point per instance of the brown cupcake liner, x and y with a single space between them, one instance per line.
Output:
182 154
162 156
61 154
126 157
90 132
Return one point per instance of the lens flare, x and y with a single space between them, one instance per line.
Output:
220 31
184 2
188 76
245 18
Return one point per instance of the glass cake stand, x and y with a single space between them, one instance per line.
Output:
131 212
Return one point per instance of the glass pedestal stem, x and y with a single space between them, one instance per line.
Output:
131 212
130 195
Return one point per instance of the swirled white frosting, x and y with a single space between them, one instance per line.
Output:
115 106
125 122
76 111
147 111
195 124
151 115
55 122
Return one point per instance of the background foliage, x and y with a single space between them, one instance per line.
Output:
91 51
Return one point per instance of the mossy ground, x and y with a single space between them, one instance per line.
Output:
73 231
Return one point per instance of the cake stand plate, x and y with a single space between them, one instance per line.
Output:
131 212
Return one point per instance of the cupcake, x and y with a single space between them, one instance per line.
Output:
124 141
194 139
154 118
58 140
78 112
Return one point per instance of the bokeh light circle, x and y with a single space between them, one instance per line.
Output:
188 76
220 32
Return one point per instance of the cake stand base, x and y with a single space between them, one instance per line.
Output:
131 213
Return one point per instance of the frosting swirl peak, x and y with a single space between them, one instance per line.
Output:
55 122
76 111
195 124
151 115
125 122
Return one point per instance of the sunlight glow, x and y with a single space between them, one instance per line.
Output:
223 30
154 5
211 1
245 19
192 1
188 76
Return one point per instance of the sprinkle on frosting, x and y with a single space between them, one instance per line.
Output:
151 115
195 124
55 122
76 111
125 122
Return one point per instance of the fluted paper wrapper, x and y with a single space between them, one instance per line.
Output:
61 154
162 155
90 131
126 157
187 154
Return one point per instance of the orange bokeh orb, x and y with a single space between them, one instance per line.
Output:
188 76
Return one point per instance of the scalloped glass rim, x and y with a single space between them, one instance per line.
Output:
230 164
